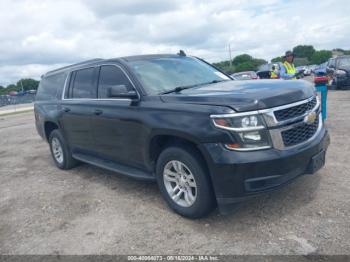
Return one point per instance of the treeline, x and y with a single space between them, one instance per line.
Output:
240 63
304 55
308 55
26 83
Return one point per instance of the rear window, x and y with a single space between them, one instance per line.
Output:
50 87
84 83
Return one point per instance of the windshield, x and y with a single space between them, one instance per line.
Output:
159 75
344 62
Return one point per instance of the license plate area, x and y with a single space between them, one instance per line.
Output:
317 162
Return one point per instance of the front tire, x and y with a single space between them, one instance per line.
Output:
184 182
60 151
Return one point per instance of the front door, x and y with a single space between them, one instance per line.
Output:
117 123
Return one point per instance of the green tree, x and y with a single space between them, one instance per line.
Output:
225 66
240 59
28 84
246 66
304 51
243 62
277 59
321 56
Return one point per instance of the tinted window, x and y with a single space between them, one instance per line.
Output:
84 84
331 63
51 87
111 76
344 62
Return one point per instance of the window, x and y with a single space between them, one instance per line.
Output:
163 74
111 76
344 62
51 87
331 63
84 85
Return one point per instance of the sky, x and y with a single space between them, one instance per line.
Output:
40 35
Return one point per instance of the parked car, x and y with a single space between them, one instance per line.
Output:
264 71
307 71
312 68
247 75
177 120
321 69
338 69
300 70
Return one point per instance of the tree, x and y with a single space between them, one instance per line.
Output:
301 61
28 84
304 51
321 56
242 59
225 66
243 62
277 59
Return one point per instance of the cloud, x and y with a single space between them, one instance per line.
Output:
38 35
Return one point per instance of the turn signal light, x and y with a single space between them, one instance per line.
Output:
233 146
221 122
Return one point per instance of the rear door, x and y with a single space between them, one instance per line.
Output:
117 123
76 108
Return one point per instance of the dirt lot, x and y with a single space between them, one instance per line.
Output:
87 210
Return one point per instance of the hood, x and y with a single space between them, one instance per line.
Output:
345 67
245 95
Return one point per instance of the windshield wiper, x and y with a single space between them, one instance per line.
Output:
177 89
180 88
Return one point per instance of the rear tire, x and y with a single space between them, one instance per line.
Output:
184 183
60 151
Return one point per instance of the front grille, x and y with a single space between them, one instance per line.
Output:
295 111
300 133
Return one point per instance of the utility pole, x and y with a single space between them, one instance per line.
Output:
229 51
22 86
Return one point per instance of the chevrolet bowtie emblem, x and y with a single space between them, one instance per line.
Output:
310 118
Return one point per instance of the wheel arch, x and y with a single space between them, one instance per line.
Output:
49 126
160 141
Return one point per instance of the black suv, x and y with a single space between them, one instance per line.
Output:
207 140
339 71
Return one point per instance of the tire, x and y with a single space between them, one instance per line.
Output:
60 151
196 198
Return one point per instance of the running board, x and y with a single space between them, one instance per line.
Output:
112 166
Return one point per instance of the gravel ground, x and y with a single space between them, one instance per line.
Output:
87 210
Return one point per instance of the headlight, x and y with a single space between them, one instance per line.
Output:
248 130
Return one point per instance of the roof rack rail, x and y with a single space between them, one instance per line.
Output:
74 65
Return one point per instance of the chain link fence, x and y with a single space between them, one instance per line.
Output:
16 100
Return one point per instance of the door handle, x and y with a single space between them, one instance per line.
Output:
66 109
98 112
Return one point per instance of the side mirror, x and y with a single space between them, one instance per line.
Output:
120 91
330 69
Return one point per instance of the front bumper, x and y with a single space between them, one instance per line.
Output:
240 175
343 82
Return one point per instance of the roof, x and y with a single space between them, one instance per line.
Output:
99 60
84 63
